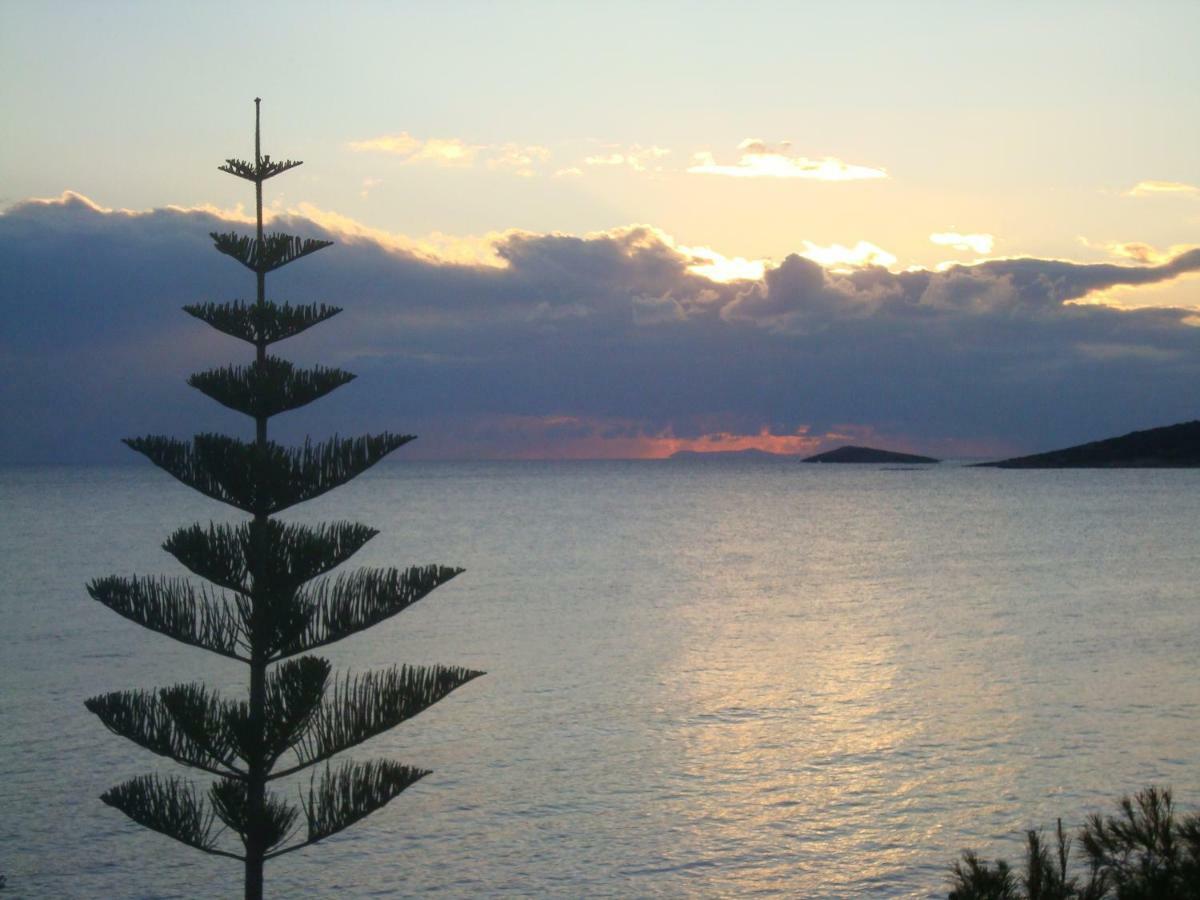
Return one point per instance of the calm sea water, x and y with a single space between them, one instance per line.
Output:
706 679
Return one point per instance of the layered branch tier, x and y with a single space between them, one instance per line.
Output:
297 619
264 479
170 806
285 555
194 726
175 607
295 690
275 250
266 168
362 706
351 792
339 607
268 388
265 323
231 802
186 723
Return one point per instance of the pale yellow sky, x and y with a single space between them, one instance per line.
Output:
757 131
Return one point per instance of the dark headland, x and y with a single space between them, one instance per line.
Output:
1170 447
850 454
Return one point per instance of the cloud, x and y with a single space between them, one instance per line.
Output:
635 157
520 159
1158 188
978 243
617 342
837 256
585 437
714 266
438 151
1141 252
436 247
525 160
758 160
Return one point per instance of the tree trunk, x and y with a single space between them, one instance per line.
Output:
254 876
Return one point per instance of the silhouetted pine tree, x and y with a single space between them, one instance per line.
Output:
263 610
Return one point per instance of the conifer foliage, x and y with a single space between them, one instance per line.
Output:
263 608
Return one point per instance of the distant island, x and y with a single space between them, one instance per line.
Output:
1169 447
846 454
851 454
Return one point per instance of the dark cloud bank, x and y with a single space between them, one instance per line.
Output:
613 332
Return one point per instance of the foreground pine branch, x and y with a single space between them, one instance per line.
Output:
266 252
169 806
263 323
257 172
265 478
173 607
274 387
1144 852
284 555
335 609
352 792
362 706
183 724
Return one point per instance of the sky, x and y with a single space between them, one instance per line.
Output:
612 230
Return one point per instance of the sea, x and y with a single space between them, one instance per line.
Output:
705 677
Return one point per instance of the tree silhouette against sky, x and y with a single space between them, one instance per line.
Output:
263 608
